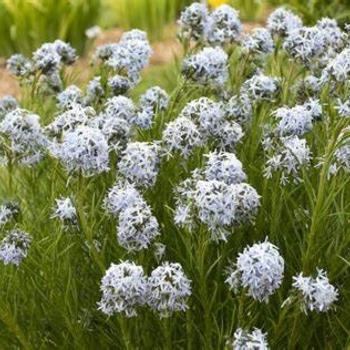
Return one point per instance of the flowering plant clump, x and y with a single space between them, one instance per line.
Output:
170 179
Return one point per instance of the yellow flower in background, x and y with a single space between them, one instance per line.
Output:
216 3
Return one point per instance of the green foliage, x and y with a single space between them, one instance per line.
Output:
25 25
149 15
50 299
312 10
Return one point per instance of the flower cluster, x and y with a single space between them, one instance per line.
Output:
21 132
125 287
289 156
139 163
215 203
220 27
208 66
84 150
128 57
14 247
66 212
259 269
169 289
316 293
244 340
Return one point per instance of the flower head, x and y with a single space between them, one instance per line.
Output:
259 269
14 247
169 289
124 287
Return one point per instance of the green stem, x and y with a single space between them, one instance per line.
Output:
125 333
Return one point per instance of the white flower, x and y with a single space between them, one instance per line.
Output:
247 203
260 87
182 135
239 107
124 287
289 157
14 247
229 135
8 212
84 149
224 25
317 293
169 289
208 115
259 269
137 227
208 66
94 91
122 196
121 107
306 44
118 84
139 163
23 136
243 340
193 21
293 121
69 120
339 67
19 66
156 98
69 97
65 211
8 103
224 167
260 42
283 22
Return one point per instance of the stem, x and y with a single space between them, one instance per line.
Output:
189 328
167 334
125 333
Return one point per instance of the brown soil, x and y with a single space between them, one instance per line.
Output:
163 52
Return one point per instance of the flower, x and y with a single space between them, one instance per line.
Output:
208 115
244 340
259 43
8 103
293 121
21 132
259 269
139 163
225 167
182 135
169 289
124 287
137 227
260 87
93 32
14 246
84 150
65 211
69 97
193 21
282 22
208 66
290 155
224 25
317 293
122 196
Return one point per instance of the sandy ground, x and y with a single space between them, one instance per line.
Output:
163 52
